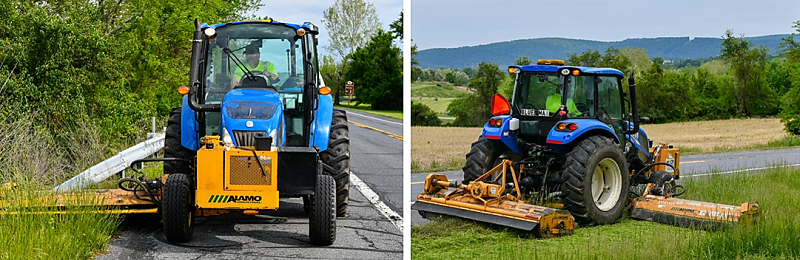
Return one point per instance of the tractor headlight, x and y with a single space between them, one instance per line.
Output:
226 137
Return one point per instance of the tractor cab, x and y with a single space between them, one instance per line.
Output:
260 78
549 93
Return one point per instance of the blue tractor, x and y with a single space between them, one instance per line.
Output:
573 136
257 124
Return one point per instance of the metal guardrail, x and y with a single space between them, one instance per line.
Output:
115 164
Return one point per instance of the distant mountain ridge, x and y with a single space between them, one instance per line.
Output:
504 53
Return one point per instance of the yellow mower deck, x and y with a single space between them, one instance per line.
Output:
107 201
691 213
488 202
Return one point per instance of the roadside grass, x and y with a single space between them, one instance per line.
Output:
774 236
30 229
430 89
33 160
366 109
440 146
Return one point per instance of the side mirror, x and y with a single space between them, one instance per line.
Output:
500 105
644 119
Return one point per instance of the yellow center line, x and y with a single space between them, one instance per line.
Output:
376 129
698 161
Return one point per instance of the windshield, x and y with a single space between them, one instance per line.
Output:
272 52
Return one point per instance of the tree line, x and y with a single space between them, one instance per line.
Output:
364 54
111 65
108 64
743 81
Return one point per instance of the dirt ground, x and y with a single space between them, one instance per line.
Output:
449 145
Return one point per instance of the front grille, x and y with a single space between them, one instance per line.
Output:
247 138
245 171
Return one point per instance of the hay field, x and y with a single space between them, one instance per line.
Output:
718 134
444 148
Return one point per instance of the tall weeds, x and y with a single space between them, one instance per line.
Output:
33 159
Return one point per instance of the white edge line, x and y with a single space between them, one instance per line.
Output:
375 118
743 170
373 198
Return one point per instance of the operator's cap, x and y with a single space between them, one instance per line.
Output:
252 48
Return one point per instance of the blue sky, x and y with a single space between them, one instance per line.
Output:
311 11
455 23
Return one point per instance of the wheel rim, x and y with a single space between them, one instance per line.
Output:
606 182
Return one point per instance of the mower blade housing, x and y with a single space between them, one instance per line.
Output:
693 214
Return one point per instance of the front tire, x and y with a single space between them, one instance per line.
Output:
177 209
336 160
173 147
322 222
595 181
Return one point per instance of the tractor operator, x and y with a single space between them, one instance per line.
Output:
252 56
553 103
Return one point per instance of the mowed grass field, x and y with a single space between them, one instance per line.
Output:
444 148
436 89
439 106
428 92
775 236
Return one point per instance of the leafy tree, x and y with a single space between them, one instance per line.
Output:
506 87
416 74
378 72
747 64
332 73
111 64
590 58
638 58
474 109
414 53
777 75
397 27
613 58
422 115
790 46
350 24
470 71
523 61
790 114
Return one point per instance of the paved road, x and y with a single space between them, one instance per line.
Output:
690 165
370 231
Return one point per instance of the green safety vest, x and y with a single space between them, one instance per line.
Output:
554 103
238 73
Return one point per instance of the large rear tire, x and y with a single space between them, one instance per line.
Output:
173 147
336 160
322 222
177 208
485 155
595 181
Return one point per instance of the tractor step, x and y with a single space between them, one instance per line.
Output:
691 213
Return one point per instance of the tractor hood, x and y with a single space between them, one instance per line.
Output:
247 112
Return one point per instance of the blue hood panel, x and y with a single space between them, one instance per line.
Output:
261 107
